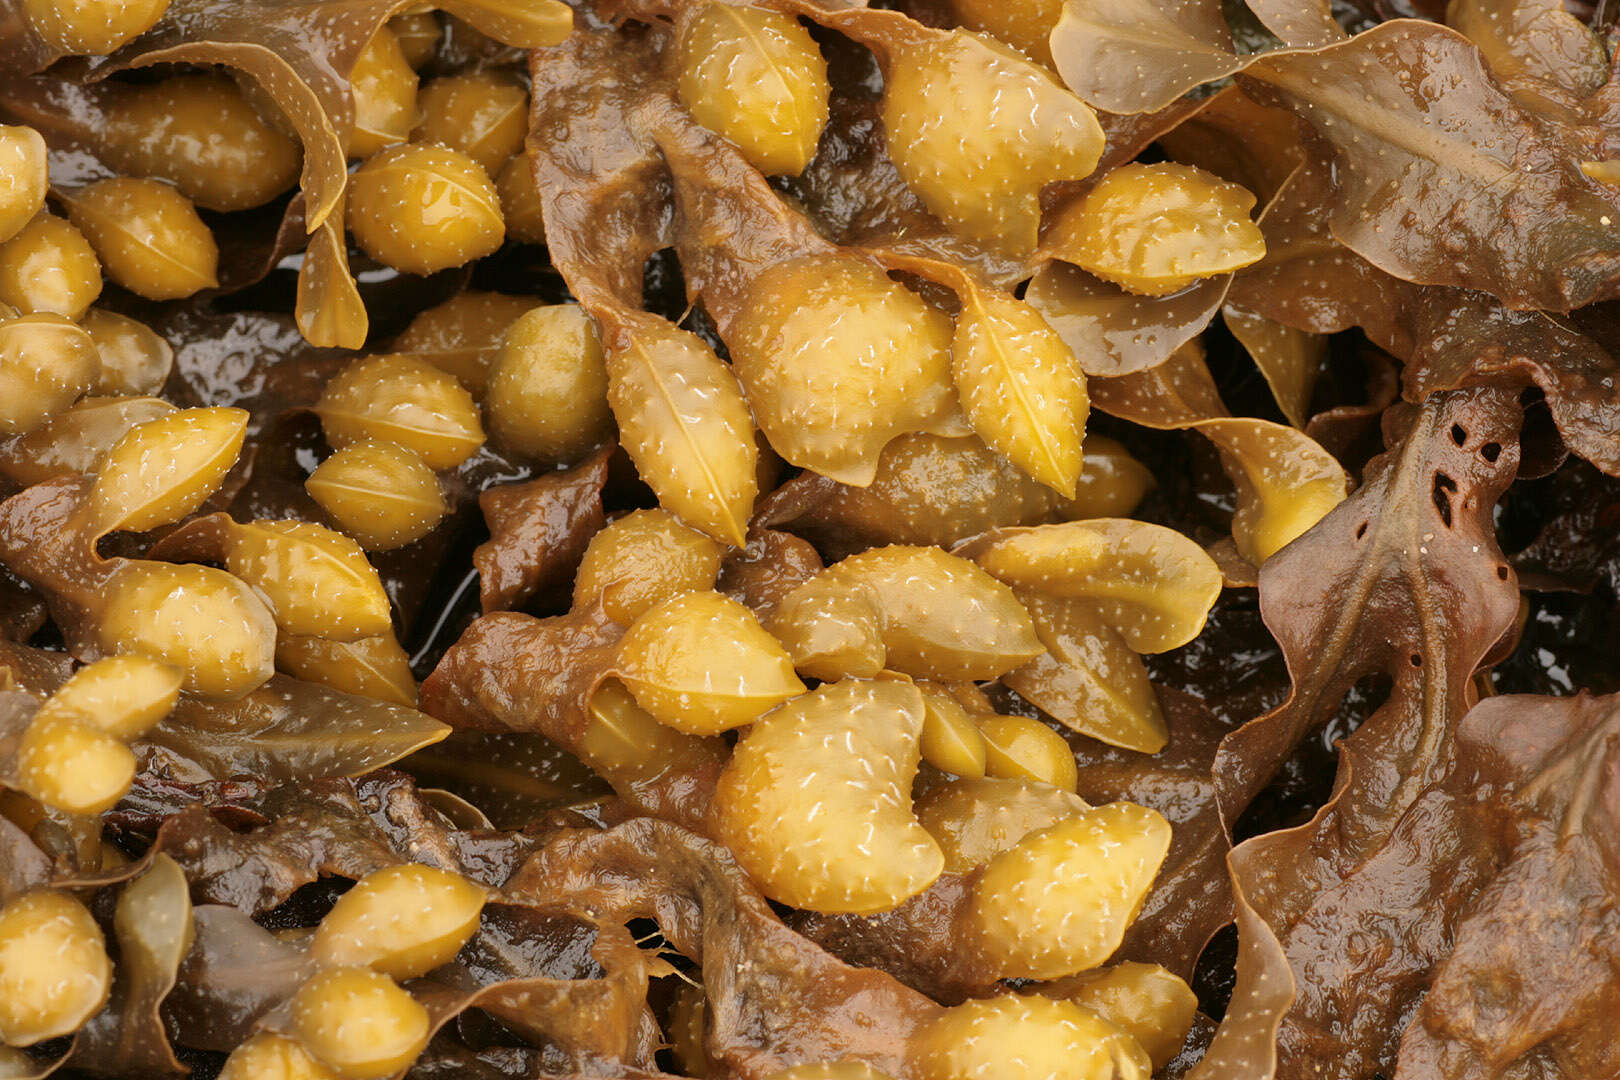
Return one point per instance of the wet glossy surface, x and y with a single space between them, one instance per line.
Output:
933 506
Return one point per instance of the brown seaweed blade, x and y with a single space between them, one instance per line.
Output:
1411 554
1503 203
1546 924
1311 281
1130 56
302 832
1468 339
559 979
289 729
25 865
1114 333
293 67
1301 23
775 998
1241 140
1177 393
1490 905
1497 183
573 984
1536 47
578 989
604 187
1290 359
235 972
729 225
1450 338
25 50
538 531
928 490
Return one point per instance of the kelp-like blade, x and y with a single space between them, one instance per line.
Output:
1403 579
288 729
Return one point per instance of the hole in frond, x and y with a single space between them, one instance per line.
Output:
1444 488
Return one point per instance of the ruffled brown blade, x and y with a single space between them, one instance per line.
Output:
538 531
1417 528
709 912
